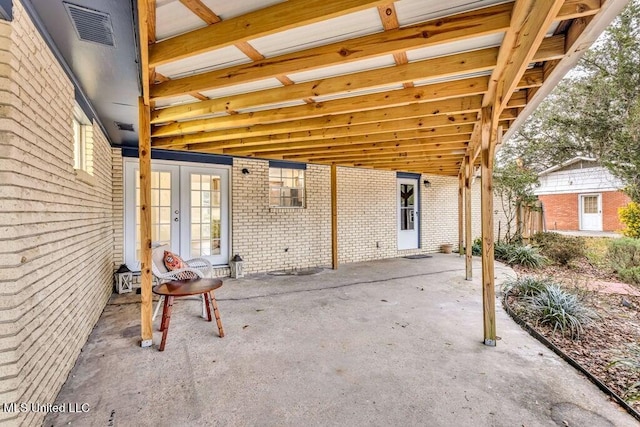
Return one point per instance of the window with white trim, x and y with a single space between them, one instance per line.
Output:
80 124
286 188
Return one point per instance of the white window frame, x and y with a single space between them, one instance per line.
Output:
280 187
79 124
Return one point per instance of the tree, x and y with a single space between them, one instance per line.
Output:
514 186
593 112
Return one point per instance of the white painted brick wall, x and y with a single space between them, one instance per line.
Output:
270 239
57 230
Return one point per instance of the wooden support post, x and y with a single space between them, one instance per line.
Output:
468 238
488 278
334 216
144 149
460 211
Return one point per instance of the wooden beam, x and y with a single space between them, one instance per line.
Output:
379 137
463 88
572 9
447 108
417 95
144 149
437 68
463 26
488 272
436 145
334 217
145 38
530 21
151 21
202 11
368 130
259 23
468 216
460 213
382 157
359 134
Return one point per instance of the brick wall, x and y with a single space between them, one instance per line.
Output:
56 226
366 214
117 197
611 202
279 239
562 211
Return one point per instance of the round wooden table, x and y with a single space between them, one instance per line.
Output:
185 288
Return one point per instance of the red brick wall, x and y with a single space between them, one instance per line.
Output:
561 210
611 201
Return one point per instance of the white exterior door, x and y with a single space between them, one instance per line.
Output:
189 211
591 212
408 222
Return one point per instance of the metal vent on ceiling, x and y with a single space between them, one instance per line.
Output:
124 126
91 25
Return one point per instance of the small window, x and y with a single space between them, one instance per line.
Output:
81 143
286 187
79 146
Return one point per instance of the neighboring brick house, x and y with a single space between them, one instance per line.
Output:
581 195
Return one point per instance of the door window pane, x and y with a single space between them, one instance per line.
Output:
590 204
160 209
205 209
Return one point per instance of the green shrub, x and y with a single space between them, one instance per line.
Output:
630 216
501 251
559 248
624 258
630 275
476 249
526 256
526 286
560 309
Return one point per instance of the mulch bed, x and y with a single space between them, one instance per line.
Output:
614 336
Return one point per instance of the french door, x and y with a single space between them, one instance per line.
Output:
189 211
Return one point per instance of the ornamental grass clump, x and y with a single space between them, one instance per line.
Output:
526 256
559 309
526 286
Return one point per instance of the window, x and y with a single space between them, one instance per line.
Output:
79 149
286 187
81 140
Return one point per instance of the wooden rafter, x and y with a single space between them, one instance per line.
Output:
380 137
202 11
438 68
263 22
454 28
422 94
445 109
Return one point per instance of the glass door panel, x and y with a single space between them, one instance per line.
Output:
208 213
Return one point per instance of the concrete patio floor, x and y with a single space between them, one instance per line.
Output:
391 342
